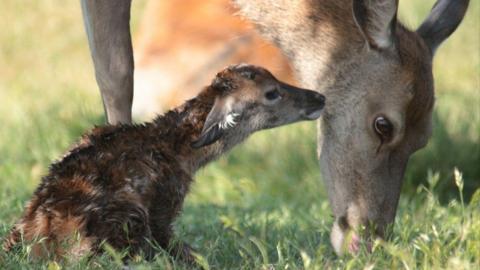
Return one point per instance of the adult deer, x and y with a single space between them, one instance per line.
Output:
377 76
107 23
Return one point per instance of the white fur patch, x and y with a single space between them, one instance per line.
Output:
337 238
229 121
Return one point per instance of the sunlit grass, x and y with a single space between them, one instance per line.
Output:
264 204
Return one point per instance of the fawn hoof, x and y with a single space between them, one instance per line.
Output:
184 252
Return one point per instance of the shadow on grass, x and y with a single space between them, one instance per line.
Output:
444 152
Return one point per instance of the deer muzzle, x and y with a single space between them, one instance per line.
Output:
355 230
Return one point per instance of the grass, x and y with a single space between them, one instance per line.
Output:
247 210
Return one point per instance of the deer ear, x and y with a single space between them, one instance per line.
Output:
377 20
444 18
219 119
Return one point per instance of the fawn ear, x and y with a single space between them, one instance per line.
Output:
220 118
377 20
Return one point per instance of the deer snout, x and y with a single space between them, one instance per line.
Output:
314 103
317 98
308 104
355 229
345 238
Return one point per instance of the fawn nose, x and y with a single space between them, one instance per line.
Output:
319 98
314 106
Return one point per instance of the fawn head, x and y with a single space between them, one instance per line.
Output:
249 98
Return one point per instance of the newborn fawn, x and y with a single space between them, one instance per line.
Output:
124 185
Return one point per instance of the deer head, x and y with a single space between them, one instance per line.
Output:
249 98
377 76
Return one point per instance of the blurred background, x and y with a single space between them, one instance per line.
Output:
49 97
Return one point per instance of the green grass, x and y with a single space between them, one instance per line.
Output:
248 210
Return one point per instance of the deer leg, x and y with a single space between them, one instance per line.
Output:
124 225
162 233
107 23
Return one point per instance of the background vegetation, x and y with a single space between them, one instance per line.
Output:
264 205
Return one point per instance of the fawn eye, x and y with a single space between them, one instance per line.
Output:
272 95
384 128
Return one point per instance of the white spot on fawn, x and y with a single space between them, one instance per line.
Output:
229 121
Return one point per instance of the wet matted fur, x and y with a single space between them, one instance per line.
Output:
125 184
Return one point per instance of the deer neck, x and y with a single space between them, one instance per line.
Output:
318 36
183 125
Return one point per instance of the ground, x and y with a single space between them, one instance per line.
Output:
264 205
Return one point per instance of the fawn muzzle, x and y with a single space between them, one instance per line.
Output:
310 103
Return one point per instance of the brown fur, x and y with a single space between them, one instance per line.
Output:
369 66
180 45
117 176
126 184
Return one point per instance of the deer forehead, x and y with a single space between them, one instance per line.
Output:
250 90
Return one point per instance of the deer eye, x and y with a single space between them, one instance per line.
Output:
272 95
384 128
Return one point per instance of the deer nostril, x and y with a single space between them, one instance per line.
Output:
319 97
343 223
